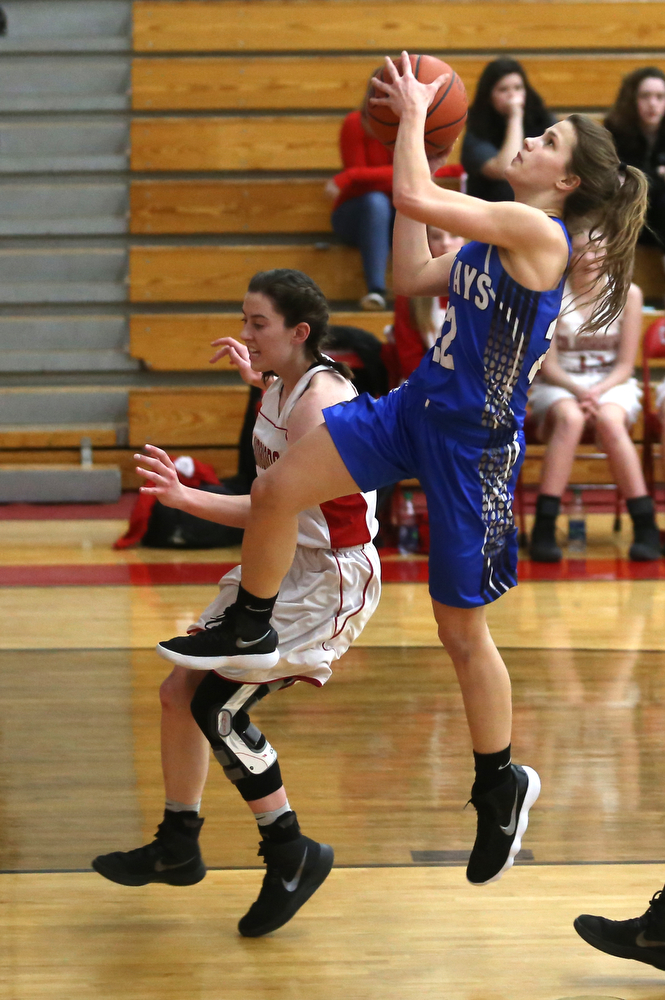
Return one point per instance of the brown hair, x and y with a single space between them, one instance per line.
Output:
420 314
612 200
623 116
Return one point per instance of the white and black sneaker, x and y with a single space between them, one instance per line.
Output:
173 857
294 871
640 938
503 816
227 639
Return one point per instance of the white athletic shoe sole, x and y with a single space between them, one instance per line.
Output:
532 793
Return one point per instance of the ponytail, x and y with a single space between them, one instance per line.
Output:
612 201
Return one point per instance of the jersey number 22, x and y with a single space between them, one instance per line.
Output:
440 351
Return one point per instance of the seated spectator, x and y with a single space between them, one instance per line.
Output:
637 123
363 212
418 320
505 109
588 380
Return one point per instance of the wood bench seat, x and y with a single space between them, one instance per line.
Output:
223 460
389 26
234 142
270 83
181 342
221 273
177 417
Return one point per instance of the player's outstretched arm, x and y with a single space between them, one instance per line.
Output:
517 227
162 483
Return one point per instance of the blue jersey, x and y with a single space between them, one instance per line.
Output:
493 341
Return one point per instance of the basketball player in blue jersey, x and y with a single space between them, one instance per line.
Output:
456 424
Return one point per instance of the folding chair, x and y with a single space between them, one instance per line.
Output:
652 347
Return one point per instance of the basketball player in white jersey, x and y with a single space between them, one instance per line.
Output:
327 597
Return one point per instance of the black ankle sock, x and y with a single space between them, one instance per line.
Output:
254 611
187 822
547 507
642 511
491 770
283 830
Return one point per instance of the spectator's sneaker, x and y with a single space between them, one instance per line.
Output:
646 545
173 857
294 871
373 302
223 641
503 816
641 938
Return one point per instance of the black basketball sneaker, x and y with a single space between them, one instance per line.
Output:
294 871
229 638
640 938
173 857
503 816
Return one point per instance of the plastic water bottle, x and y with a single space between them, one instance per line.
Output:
408 538
576 523
86 452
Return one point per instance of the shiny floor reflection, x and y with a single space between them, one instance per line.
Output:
376 763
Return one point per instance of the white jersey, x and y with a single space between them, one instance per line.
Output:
338 524
334 583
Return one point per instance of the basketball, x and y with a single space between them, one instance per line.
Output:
446 114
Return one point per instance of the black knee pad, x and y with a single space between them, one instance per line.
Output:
221 710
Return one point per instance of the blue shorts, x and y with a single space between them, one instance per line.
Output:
469 487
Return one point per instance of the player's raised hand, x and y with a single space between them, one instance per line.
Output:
161 477
403 93
238 355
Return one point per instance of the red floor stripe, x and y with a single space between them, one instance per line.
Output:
394 571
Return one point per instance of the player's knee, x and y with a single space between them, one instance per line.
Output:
221 708
266 494
176 690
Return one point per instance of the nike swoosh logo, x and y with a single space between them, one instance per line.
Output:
257 610
161 867
241 644
295 881
512 826
643 942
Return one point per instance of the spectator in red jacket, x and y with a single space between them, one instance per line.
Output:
418 320
363 212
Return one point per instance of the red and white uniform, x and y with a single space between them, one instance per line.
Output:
334 583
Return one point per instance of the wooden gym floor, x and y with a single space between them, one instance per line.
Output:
377 763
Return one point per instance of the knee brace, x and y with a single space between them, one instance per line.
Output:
221 710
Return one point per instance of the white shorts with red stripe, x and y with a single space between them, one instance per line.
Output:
325 601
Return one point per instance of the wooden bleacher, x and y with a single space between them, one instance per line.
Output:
390 25
324 83
221 273
226 144
181 342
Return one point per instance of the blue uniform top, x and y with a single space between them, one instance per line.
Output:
492 342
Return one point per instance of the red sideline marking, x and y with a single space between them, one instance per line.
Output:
393 571
592 569
69 511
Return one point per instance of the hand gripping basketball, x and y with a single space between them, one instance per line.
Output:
419 85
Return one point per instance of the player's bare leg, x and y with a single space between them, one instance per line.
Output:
503 792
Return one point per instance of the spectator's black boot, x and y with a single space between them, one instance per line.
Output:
646 537
543 546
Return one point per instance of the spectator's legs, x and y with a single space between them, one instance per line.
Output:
563 429
366 223
614 437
